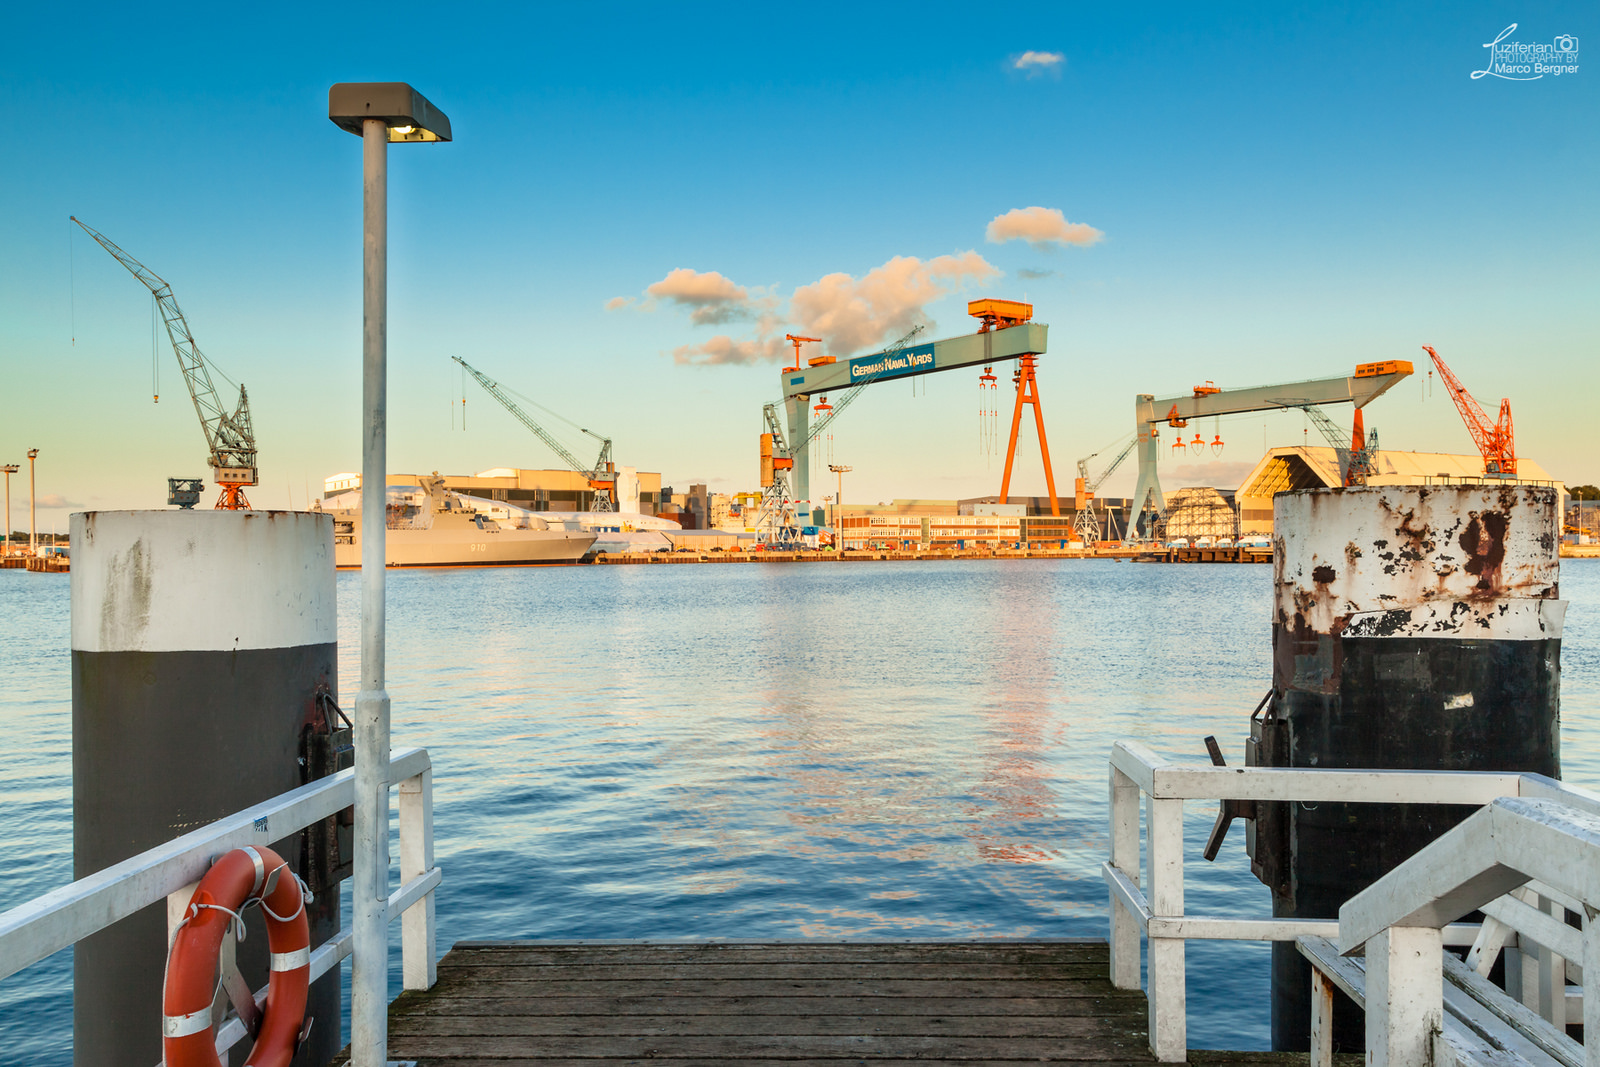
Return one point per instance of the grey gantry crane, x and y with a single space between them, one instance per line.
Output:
230 440
602 476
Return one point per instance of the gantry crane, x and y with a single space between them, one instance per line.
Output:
1370 381
602 476
1494 439
230 439
1008 333
776 522
1087 521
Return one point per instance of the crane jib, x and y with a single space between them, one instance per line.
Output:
230 437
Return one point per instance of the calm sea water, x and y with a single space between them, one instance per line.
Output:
889 749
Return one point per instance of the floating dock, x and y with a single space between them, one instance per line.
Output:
761 1002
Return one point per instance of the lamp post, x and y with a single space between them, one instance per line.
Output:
380 112
33 515
9 469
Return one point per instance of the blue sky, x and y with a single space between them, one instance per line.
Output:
1282 193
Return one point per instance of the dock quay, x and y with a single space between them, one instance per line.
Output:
762 1002
1137 554
40 564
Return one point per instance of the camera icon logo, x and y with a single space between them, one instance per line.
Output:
1566 43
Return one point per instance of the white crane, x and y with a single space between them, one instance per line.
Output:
230 440
602 476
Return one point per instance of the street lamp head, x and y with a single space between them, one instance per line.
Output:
407 113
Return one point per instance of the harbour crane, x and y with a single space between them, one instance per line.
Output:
1358 457
1494 439
1087 522
1370 381
602 476
775 521
1008 333
230 438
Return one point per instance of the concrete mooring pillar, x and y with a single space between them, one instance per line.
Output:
1414 627
200 642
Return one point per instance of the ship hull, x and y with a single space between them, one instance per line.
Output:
471 548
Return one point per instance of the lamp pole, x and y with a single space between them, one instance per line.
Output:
9 469
379 112
33 515
369 986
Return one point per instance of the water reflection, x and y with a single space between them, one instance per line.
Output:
768 751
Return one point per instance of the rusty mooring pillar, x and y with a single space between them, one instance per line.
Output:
1414 627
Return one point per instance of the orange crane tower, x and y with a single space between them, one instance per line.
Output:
1494 439
998 315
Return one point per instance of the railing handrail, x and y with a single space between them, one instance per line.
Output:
1164 779
43 926
1522 855
1498 848
1155 908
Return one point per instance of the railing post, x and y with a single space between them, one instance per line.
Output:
1124 857
1168 1008
1591 989
1405 996
1552 971
416 859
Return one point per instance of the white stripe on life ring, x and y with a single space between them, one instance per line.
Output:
261 869
184 1025
291 961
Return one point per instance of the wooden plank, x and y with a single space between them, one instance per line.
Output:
774 972
835 1061
1118 1003
1197 1058
764 1026
672 1046
818 988
536 955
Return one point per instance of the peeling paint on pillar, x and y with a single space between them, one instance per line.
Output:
1413 627
198 641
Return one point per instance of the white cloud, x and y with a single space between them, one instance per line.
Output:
850 314
617 303
1038 62
723 349
1041 227
713 298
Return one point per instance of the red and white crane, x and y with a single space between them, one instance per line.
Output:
1494 439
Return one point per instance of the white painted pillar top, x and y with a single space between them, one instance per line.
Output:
201 581
1457 561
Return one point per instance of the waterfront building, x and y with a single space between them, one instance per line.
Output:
1317 467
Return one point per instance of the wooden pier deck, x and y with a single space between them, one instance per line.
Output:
694 1004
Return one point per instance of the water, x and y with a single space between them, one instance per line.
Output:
887 749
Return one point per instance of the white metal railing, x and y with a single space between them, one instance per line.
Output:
1527 862
1154 907
45 925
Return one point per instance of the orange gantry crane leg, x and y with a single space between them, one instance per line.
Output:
1028 393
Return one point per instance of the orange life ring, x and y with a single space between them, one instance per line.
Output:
244 876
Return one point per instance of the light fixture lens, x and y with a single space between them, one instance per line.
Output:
404 129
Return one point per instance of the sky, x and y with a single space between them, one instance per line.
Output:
641 200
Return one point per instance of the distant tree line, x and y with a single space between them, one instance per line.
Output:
1583 492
